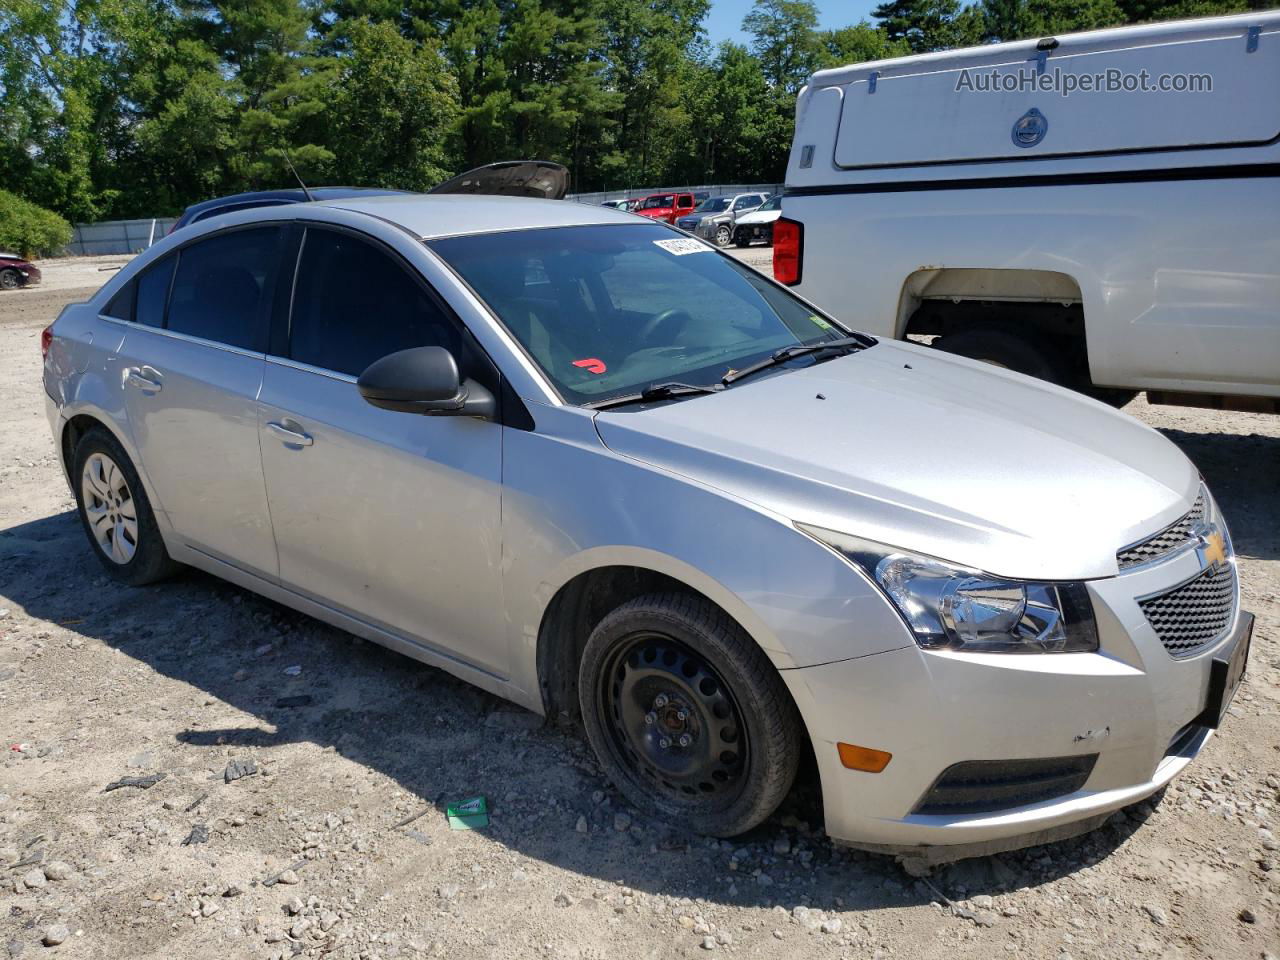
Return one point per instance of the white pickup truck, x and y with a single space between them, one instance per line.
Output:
1100 209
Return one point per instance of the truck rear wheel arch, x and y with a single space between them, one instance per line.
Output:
1030 320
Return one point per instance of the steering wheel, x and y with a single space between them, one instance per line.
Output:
658 319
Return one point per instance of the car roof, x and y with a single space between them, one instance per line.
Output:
283 195
451 215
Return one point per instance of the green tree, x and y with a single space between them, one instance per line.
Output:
924 24
648 53
392 106
858 44
737 130
784 37
1023 19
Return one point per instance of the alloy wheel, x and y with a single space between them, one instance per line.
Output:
9 279
673 721
110 508
723 235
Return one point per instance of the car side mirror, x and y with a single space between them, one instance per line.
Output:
424 380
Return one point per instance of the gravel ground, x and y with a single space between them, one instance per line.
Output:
315 852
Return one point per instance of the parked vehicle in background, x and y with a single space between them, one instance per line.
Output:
670 498
712 205
1108 239
757 225
715 223
665 206
270 198
16 271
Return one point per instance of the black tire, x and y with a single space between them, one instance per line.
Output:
722 235
1003 348
742 243
150 561
10 279
723 695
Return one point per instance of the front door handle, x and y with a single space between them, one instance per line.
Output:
288 435
146 379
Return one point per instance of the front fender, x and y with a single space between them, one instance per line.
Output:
572 505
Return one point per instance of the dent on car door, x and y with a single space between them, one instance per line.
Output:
390 517
192 363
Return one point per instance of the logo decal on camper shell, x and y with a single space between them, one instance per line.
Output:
1030 128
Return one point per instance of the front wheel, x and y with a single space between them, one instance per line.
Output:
723 236
10 279
687 716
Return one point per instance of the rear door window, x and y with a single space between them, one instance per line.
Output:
153 293
223 286
121 305
353 303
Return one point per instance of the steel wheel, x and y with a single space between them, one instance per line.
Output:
672 719
110 508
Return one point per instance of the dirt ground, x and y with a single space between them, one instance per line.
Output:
315 854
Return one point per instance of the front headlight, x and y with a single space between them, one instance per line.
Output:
954 608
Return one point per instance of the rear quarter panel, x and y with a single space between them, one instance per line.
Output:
1179 280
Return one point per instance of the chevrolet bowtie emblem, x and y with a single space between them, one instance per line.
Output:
1213 549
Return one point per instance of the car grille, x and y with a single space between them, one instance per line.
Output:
1170 538
1195 613
982 786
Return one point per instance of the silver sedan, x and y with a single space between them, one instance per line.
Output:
595 466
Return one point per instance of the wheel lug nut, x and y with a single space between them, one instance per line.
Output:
682 715
650 718
660 700
685 739
664 742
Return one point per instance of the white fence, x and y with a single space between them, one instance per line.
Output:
117 236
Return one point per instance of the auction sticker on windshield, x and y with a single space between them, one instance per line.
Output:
682 246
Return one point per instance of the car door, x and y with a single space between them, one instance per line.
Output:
746 203
389 517
192 363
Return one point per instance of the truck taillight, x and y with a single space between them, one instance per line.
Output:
46 338
788 247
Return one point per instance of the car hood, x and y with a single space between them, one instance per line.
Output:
759 216
940 455
654 212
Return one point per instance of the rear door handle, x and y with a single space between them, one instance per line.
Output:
296 437
146 379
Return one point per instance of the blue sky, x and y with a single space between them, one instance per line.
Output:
724 22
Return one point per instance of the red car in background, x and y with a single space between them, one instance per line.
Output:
16 272
666 206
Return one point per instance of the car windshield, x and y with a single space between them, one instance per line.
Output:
651 203
714 205
609 310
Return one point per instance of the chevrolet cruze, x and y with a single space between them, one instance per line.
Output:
595 466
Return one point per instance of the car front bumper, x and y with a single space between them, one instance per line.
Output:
1131 703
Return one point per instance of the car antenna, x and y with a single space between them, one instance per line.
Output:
305 192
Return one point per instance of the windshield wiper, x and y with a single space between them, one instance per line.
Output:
796 350
658 391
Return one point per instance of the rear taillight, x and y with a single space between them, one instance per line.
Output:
788 248
46 338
